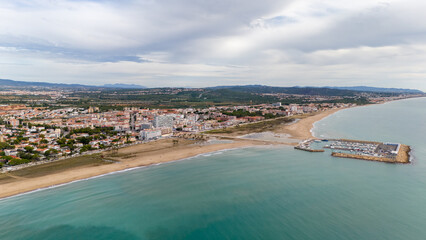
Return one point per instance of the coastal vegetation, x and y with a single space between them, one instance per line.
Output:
262 126
243 113
54 167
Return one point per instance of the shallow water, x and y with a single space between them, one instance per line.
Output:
250 193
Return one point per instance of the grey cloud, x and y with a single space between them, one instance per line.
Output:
136 27
184 42
383 25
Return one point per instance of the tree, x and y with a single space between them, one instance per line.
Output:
84 140
50 152
29 149
85 148
17 161
28 156
61 141
4 145
7 158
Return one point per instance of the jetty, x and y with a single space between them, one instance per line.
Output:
308 149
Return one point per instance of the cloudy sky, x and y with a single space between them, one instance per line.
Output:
200 43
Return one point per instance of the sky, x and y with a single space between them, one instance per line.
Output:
199 43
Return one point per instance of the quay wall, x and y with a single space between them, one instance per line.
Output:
355 141
363 157
309 150
402 156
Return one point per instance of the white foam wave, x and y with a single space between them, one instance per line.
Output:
121 171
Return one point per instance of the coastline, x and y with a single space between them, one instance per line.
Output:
24 185
302 129
145 155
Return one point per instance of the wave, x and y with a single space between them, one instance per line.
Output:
209 154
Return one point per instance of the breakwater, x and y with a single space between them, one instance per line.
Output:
308 149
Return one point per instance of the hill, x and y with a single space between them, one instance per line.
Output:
7 83
289 90
12 83
323 91
122 85
382 90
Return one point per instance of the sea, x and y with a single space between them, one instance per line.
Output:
250 193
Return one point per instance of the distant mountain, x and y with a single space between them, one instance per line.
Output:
12 83
382 90
123 85
288 90
324 91
7 83
253 89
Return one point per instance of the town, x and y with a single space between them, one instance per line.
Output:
34 134
41 124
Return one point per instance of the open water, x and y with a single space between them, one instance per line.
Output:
250 193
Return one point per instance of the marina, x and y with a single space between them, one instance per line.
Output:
357 149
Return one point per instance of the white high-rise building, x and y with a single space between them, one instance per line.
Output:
163 121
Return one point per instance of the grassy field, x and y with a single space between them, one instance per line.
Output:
93 160
54 167
262 126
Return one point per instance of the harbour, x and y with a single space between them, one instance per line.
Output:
358 149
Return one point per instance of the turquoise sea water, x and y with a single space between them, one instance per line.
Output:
251 193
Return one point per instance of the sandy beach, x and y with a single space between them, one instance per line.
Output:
160 151
302 128
135 156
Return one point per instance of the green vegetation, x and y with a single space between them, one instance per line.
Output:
55 167
117 99
290 90
51 152
358 101
4 145
243 113
96 130
15 161
262 126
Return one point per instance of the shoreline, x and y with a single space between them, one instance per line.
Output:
21 186
143 155
302 129
117 172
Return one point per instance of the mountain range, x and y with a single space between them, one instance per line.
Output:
12 83
336 91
